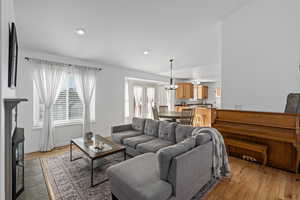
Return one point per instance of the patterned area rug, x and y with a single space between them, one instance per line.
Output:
71 180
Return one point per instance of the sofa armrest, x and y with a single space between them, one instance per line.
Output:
120 128
193 168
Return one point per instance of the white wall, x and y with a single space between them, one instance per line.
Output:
109 99
6 17
260 55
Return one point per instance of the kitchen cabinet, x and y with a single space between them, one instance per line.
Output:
201 92
184 91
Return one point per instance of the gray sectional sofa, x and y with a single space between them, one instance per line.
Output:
169 163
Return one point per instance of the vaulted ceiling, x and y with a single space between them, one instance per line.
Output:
119 31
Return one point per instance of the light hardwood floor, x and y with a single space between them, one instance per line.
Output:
249 181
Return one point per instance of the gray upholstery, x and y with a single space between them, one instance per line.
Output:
120 136
133 141
165 155
153 145
182 132
151 127
127 184
176 171
191 171
132 151
120 128
138 124
166 131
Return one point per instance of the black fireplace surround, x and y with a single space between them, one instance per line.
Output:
14 150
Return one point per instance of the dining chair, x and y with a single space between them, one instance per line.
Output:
163 109
187 116
155 112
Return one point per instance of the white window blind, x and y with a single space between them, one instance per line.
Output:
68 106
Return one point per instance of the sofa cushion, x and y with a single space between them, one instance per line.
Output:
133 141
166 131
119 137
132 151
153 145
127 184
165 155
201 138
151 127
138 124
182 132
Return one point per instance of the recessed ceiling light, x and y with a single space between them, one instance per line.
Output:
146 52
80 31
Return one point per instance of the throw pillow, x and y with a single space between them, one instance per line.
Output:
151 127
138 124
166 131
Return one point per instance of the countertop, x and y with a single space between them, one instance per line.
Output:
196 105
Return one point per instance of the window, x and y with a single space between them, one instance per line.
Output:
140 96
143 101
150 92
138 101
68 107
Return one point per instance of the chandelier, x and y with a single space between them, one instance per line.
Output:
172 85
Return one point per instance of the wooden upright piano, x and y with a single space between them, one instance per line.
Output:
279 131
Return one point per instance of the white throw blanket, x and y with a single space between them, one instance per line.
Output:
220 163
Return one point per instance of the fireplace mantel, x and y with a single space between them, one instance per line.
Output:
13 102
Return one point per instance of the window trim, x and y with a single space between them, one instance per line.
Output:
63 123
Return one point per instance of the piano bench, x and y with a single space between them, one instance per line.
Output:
260 148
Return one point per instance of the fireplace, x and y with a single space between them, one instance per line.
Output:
14 150
17 162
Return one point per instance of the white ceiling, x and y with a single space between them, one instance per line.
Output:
119 31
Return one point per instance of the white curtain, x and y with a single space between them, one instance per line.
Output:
138 101
162 97
171 99
48 78
150 101
85 80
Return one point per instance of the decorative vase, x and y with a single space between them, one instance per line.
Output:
88 137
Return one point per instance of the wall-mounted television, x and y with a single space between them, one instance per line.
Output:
13 57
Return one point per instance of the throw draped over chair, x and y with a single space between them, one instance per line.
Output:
155 113
187 116
163 109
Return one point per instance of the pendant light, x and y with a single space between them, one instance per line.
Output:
172 85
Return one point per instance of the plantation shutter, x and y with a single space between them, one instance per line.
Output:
68 105
75 105
60 106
